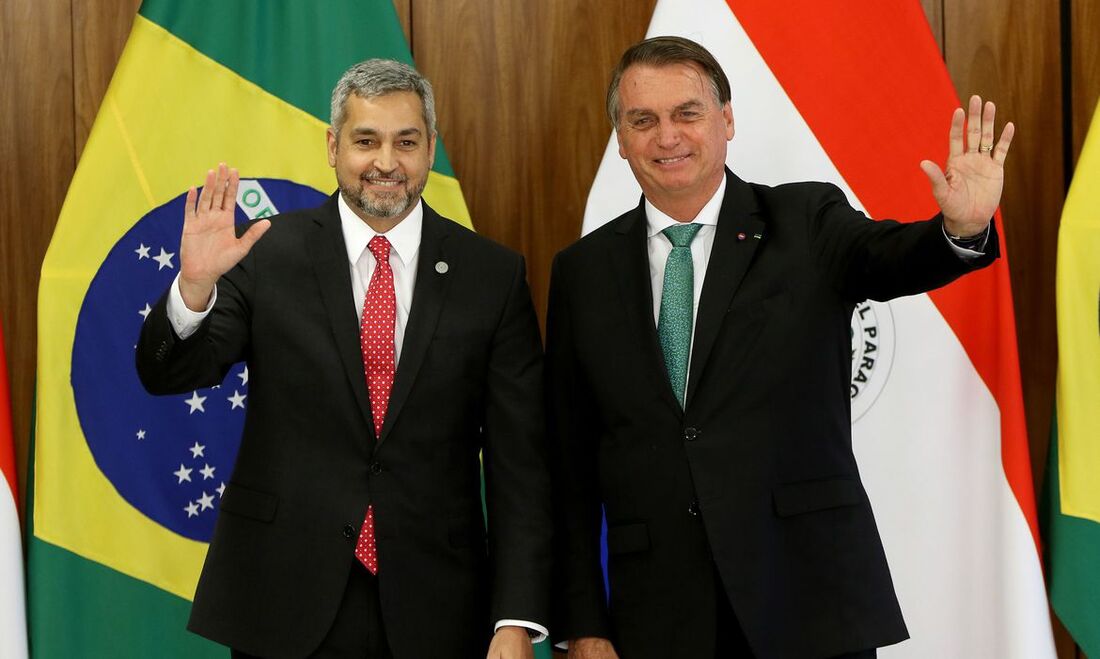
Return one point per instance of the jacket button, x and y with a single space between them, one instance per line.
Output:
691 434
349 531
375 467
693 509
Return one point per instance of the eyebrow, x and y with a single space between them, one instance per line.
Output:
688 105
373 132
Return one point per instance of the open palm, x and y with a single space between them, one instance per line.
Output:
209 246
969 190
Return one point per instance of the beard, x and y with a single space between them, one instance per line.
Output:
387 204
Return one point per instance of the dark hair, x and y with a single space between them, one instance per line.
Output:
661 51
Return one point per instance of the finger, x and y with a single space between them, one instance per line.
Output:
974 124
217 201
1001 150
254 233
955 135
235 182
189 204
207 192
935 178
987 127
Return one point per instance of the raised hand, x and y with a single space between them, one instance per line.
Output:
970 190
209 246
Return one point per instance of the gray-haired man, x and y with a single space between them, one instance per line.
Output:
387 347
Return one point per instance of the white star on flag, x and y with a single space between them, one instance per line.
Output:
219 489
183 474
243 375
206 501
164 259
192 509
195 402
207 472
237 400
140 434
197 450
142 251
146 311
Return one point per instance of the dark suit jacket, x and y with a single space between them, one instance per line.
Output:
468 380
756 476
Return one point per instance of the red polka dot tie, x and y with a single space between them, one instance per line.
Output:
376 340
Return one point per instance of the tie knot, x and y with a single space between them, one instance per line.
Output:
380 248
681 235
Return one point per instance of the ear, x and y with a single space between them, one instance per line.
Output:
619 139
727 115
431 149
333 143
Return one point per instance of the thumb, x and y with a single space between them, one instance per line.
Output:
935 178
254 233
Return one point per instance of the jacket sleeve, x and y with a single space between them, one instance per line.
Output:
517 479
579 596
167 364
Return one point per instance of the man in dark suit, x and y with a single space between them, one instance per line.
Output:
698 361
387 347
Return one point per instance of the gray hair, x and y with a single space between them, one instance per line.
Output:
663 51
378 77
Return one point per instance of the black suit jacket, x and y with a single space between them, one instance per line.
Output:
756 476
468 380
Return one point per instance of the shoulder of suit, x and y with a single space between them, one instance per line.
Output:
461 237
801 192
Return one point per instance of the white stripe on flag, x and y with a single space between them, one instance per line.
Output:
13 622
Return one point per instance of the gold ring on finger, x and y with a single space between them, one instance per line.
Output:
985 148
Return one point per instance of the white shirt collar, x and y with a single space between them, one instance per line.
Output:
404 237
656 221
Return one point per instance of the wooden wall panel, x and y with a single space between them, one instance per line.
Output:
933 9
520 90
1009 53
1085 67
36 140
100 30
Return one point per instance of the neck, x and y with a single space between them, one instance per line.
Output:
685 206
378 224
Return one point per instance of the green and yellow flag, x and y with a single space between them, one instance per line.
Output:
126 485
1073 490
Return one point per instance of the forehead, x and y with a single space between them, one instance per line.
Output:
392 111
649 87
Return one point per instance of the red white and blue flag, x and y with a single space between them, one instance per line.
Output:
855 92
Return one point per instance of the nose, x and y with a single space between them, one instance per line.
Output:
668 136
384 160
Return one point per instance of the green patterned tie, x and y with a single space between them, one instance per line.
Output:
677 293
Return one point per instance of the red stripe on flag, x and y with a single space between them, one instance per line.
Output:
869 80
7 443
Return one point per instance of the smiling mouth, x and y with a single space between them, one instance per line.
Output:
671 161
385 183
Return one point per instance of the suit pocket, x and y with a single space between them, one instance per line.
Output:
240 500
627 538
808 496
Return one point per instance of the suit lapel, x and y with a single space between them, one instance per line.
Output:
630 259
429 293
736 240
330 266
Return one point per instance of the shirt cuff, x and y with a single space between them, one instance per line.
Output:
184 321
542 632
970 248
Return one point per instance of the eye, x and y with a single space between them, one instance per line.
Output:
407 144
365 142
641 122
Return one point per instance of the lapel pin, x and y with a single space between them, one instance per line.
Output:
741 235
441 267
758 236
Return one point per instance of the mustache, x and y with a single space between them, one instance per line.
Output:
377 174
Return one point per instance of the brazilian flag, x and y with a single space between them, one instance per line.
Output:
1072 486
126 486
